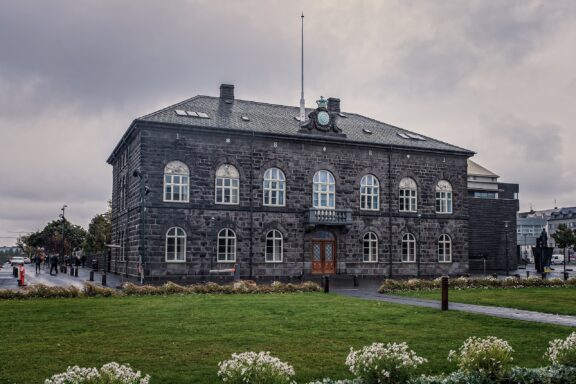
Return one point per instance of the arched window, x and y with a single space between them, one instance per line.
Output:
227 184
324 190
408 194
408 248
370 248
226 246
176 181
274 242
369 193
443 197
176 244
444 249
274 187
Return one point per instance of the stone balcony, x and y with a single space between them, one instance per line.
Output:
319 216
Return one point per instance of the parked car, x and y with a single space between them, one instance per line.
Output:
27 260
16 260
558 259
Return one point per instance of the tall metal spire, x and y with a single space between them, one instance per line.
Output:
302 103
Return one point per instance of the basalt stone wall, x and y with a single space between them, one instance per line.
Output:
202 219
488 233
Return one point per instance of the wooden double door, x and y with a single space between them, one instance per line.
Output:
323 256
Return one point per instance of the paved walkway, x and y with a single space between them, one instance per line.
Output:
369 293
7 281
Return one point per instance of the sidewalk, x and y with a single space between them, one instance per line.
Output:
368 293
60 279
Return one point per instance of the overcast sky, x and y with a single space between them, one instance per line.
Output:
495 77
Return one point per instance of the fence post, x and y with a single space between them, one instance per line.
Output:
326 284
445 285
356 282
92 275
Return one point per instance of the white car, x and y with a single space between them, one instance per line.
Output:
558 259
15 260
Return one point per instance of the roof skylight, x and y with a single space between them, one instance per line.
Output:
410 136
180 112
192 113
203 115
245 118
367 131
341 114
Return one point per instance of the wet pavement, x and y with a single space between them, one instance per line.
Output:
8 281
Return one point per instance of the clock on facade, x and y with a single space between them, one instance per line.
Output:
323 118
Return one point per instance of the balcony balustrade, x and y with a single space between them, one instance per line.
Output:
319 216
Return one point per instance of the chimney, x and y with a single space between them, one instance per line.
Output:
227 92
333 104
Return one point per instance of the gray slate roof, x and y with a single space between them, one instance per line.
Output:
279 120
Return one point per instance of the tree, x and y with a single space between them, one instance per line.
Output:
50 238
99 233
564 237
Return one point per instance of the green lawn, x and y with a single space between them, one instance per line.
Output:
180 339
549 300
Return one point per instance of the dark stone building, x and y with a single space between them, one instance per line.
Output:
214 182
492 208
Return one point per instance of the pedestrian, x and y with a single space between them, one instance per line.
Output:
53 264
83 260
38 261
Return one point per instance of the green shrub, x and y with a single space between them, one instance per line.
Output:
562 351
380 363
490 357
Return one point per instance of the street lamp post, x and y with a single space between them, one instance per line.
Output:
144 190
507 261
63 221
419 247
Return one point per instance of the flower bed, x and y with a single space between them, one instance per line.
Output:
391 286
128 289
480 361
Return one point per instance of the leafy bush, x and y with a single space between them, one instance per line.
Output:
383 363
330 381
546 375
92 290
254 368
490 357
562 351
111 373
391 286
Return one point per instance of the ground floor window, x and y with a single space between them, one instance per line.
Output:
370 248
226 245
408 248
175 244
274 247
444 249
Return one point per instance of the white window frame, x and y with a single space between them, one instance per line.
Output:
324 190
176 178
444 249
370 248
408 195
369 193
277 240
408 249
228 237
227 184
176 234
443 197
274 187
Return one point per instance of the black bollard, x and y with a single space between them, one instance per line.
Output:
71 271
527 274
326 284
104 279
565 276
76 272
91 275
356 282
15 271
445 285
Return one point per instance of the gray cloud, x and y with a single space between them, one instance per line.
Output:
73 75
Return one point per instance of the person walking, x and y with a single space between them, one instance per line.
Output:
53 264
38 261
